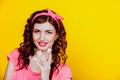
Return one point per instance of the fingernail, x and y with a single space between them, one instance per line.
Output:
49 50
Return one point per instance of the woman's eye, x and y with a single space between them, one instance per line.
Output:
49 32
36 31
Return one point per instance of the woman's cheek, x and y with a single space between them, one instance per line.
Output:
35 36
50 39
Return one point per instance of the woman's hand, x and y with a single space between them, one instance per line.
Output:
44 64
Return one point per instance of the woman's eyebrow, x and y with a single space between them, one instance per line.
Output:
35 29
49 30
45 30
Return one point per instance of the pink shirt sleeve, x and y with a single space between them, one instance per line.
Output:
64 73
13 56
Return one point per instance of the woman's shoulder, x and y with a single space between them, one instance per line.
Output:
14 53
64 67
14 50
64 72
13 56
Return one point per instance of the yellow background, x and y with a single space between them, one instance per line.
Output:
93 34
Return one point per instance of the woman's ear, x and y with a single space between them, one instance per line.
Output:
56 37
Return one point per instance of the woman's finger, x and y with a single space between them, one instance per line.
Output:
39 65
50 58
39 53
45 61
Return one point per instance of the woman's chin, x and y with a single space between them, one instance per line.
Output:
42 48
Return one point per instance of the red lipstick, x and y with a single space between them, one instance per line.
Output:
42 44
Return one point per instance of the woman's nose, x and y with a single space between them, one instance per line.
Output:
42 36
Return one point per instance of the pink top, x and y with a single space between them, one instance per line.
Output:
28 74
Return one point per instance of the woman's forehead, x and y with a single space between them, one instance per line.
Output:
46 26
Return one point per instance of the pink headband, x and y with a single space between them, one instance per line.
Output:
56 17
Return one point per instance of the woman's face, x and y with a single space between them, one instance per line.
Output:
44 35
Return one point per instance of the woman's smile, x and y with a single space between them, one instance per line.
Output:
42 44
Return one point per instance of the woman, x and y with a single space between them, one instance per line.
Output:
41 56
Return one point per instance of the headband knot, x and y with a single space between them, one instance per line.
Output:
54 16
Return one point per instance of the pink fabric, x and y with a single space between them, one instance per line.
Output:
28 74
50 13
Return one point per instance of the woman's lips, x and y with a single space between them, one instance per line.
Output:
42 44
